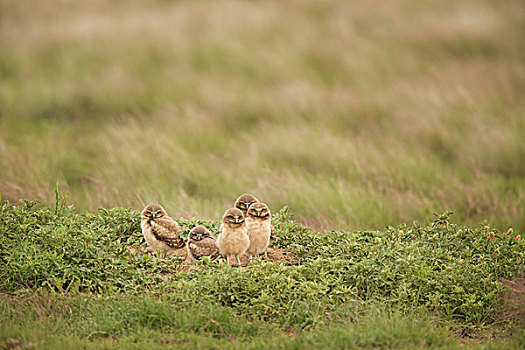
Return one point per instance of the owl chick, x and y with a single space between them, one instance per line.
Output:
159 230
233 240
201 243
243 203
259 229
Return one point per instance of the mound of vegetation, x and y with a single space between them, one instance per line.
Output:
455 272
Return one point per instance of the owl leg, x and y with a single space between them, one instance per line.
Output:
238 260
159 253
249 256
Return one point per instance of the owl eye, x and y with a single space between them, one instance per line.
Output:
148 212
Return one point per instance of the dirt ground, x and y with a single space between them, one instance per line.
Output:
275 254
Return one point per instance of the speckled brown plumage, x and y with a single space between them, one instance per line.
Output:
201 243
160 231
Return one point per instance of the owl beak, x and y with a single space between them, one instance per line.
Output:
153 215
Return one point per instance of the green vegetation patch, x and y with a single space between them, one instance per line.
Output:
454 272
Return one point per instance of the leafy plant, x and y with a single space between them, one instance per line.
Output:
455 272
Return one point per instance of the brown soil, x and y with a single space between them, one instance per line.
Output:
512 312
15 344
514 302
275 254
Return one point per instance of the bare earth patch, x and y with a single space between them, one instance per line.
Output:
13 343
513 310
275 254
514 302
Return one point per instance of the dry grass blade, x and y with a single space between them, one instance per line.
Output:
212 321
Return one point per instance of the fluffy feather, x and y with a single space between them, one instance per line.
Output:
259 228
233 240
160 231
201 243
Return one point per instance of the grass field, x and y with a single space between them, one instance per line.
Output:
356 115
79 280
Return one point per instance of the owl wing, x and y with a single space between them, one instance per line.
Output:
205 247
167 231
272 233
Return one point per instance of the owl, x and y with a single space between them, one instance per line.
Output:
259 229
233 240
159 230
243 203
201 243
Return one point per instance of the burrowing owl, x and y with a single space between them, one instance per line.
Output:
243 203
259 228
159 230
201 243
233 240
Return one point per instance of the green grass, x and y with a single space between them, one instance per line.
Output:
353 115
106 323
70 278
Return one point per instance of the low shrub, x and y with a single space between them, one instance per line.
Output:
455 272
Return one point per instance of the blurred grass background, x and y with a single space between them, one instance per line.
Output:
355 114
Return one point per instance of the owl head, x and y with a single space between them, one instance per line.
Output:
233 217
244 201
152 212
199 233
259 210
